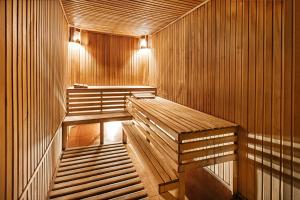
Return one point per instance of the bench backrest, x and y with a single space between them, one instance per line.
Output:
96 100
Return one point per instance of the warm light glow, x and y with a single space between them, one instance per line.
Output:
113 131
143 43
76 37
144 52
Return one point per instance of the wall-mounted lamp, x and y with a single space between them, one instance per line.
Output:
74 35
144 42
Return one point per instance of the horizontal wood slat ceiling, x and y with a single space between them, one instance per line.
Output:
125 17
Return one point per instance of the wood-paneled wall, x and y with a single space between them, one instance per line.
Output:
33 56
103 59
2 101
234 59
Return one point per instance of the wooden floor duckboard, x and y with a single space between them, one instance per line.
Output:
97 172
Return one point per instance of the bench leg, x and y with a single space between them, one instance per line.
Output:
181 188
64 136
124 137
101 132
235 173
168 196
235 177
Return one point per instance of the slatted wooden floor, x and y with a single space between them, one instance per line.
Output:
98 172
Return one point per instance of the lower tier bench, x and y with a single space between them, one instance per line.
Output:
90 119
165 177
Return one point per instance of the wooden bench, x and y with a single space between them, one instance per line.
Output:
186 137
90 119
99 99
164 176
99 104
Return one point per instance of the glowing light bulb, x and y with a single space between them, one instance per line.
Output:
143 43
76 37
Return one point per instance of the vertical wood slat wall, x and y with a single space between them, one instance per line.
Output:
33 41
103 59
234 59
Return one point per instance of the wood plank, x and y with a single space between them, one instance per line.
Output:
90 171
92 147
102 174
76 159
149 154
207 162
212 151
97 162
94 158
207 142
149 16
104 189
132 195
91 185
119 192
90 151
2 100
92 167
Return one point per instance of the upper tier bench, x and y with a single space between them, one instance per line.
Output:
99 104
179 136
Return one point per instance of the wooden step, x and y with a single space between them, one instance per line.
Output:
94 167
96 183
95 158
89 152
86 179
119 192
65 176
92 147
96 162
90 156
100 190
98 172
133 195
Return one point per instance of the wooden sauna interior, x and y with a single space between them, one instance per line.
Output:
229 61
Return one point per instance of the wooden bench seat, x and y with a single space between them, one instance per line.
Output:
90 119
166 178
186 137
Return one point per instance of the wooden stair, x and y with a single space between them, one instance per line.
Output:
97 172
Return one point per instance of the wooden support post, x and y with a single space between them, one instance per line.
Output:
235 177
181 189
64 136
235 173
168 196
101 132
124 137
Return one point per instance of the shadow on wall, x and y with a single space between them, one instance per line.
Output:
277 164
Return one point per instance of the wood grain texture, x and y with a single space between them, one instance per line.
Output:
127 17
101 172
103 59
33 41
102 99
2 103
234 59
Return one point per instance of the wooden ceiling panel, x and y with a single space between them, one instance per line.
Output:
126 17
